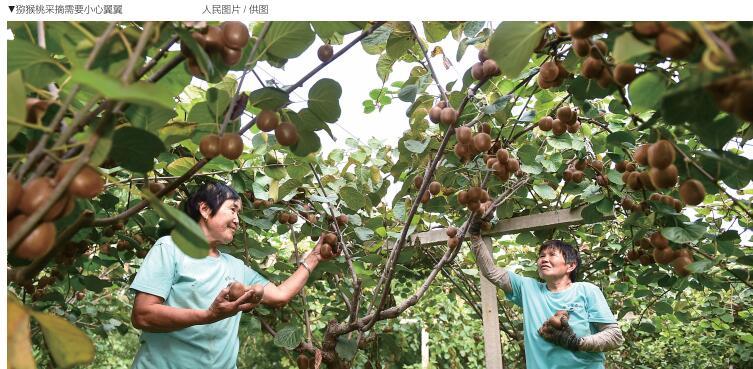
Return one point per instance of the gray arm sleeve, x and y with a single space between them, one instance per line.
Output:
498 276
608 338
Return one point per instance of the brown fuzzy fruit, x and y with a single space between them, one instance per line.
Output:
573 128
87 183
503 156
661 154
648 29
558 127
434 113
257 293
231 145
543 83
302 361
477 71
646 259
630 167
235 34
658 240
578 176
633 255
38 243
567 174
692 192
565 114
286 134
435 187
584 29
621 166
283 217
237 289
448 116
463 197
645 180
15 193
581 47
482 142
451 232
598 165
598 49
664 178
463 151
453 242
634 181
156 187
474 194
664 256
483 55
342 219
545 124
624 73
464 134
682 260
325 52
490 68
326 251
674 43
641 154
231 56
513 165
743 100
549 71
418 181
214 39
267 120
36 193
210 146
591 68
330 238
485 128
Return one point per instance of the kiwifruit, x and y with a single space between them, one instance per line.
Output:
210 146
602 180
573 128
324 53
655 197
330 238
453 242
483 55
235 34
477 71
36 193
633 255
230 56
674 43
677 204
38 243
15 193
597 165
664 255
584 29
482 142
434 113
567 174
194 68
257 293
156 187
513 165
555 322
581 47
435 187
451 232
645 244
658 240
491 161
626 203
463 197
500 170
448 116
664 178
342 219
648 29
425 197
326 251
80 295
634 181
231 145
418 181
558 127
474 194
641 154
35 109
645 179
661 154
621 166
646 259
743 100
544 84
503 156
605 78
667 200
267 120
625 176
464 134
87 183
302 361
283 217
692 192
580 164
624 73
474 206
485 128
565 114
681 261
441 104
630 167
598 49
286 134
549 71
463 151
237 289
545 124
591 68
214 39
578 176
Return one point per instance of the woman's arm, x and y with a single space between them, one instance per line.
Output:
498 276
608 338
280 295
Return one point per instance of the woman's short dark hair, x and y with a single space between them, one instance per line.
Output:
213 194
569 252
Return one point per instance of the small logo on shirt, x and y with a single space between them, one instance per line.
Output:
574 306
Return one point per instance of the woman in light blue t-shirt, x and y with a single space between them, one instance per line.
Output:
590 328
182 304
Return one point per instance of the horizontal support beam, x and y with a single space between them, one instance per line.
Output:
533 222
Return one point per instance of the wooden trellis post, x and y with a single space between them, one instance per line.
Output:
534 222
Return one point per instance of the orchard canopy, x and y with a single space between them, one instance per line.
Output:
642 127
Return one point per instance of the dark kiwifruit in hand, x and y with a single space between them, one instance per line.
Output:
448 116
214 39
15 193
210 146
231 56
464 134
581 47
549 71
286 134
648 29
257 293
267 120
329 238
558 127
38 243
545 124
482 142
477 71
231 145
434 114
661 154
674 43
491 68
235 35
591 68
326 251
36 193
237 289
692 192
451 232
664 178
624 73
87 183
435 187
325 52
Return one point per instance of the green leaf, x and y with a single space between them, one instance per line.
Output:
186 234
717 133
16 98
135 149
268 98
68 346
324 99
138 92
325 30
407 93
663 307
545 191
376 42
353 198
384 67
435 31
687 102
180 166
346 348
23 54
699 266
308 142
288 40
417 147
688 233
397 45
646 91
498 104
93 283
627 48
288 337
620 137
364 234
513 43
149 118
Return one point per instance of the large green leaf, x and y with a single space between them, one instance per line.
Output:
646 91
308 142
181 165
16 98
138 92
513 43
324 99
715 134
627 48
186 234
346 347
354 198
149 118
545 191
689 232
68 346
135 149
326 30
268 98
288 39
288 337
23 54
435 31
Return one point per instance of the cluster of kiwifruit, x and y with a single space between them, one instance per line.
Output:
734 95
469 144
325 52
453 240
237 289
434 188
503 165
485 68
304 362
670 42
285 132
230 145
228 40
551 74
656 249
443 114
595 54
661 173
475 199
576 167
260 204
330 245
566 120
24 200
310 215
287 217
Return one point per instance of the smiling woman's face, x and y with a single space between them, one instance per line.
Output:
221 227
552 265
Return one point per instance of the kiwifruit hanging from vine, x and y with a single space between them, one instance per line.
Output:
567 174
598 49
641 154
425 197
286 134
645 180
591 68
674 43
513 165
434 188
463 151
624 73
549 71
342 219
664 178
692 192
15 193
646 259
605 78
38 243
326 251
230 56
463 197
418 180
545 124
483 55
210 146
448 116
565 114
663 255
453 242
743 102
630 167
661 154
474 194
574 128
330 238
325 52
267 120
231 145
584 29
634 181
477 71
451 232
434 114
87 183
683 258
597 165
214 41
464 134
36 193
482 142
633 255
503 156
283 217
657 240
156 187
648 29
302 361
581 47
235 34
620 166
578 176
558 127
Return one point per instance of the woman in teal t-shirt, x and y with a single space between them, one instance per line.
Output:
181 303
590 328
